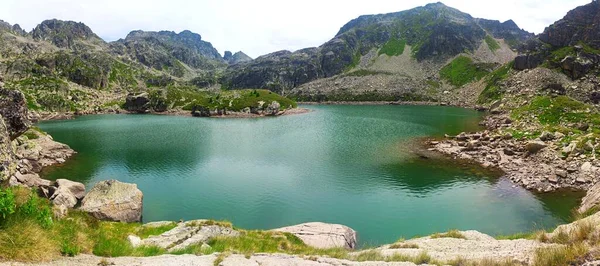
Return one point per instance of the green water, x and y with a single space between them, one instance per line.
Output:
340 164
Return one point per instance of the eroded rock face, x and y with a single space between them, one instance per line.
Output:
580 24
323 235
114 201
273 108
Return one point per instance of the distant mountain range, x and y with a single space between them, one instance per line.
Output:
395 56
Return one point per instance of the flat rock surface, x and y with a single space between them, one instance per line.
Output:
323 235
114 201
208 260
186 234
476 246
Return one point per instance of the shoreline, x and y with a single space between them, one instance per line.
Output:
70 115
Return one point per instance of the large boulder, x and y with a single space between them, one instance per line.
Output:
591 199
137 103
67 193
114 201
323 235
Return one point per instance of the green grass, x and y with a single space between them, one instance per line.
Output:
393 47
146 231
492 91
492 43
557 110
449 234
463 70
233 100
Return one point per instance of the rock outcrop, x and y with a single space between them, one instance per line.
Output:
581 24
239 57
323 235
114 201
13 109
137 103
185 234
67 193
591 199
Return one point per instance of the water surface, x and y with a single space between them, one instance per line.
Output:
339 164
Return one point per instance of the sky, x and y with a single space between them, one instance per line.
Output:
259 27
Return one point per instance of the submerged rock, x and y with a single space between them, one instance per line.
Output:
323 235
114 201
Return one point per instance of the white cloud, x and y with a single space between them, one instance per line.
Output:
260 26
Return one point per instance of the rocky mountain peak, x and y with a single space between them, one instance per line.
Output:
238 57
581 24
64 34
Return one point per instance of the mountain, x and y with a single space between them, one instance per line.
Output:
239 57
178 54
581 24
434 33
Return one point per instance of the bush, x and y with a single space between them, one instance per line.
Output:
7 203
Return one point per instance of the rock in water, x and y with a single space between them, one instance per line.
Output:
535 146
323 235
114 201
591 199
68 193
137 103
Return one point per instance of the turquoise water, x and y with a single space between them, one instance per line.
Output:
340 164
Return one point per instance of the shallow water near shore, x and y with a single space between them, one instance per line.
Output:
339 164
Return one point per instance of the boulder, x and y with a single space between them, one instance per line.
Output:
273 108
591 199
114 201
323 235
32 180
535 146
68 193
137 103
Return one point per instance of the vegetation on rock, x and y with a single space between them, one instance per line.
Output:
463 70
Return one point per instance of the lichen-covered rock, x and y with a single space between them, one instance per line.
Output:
8 164
323 235
114 201
535 146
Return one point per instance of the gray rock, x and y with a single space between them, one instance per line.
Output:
185 234
32 180
68 193
535 146
13 109
273 108
323 235
114 201
591 199
586 167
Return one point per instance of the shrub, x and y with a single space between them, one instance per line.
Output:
7 203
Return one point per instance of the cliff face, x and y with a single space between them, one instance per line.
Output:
14 122
581 24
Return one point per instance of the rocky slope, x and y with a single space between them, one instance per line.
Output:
434 33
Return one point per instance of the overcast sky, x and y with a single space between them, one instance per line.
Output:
258 27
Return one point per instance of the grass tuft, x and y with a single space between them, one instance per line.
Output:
450 234
560 256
